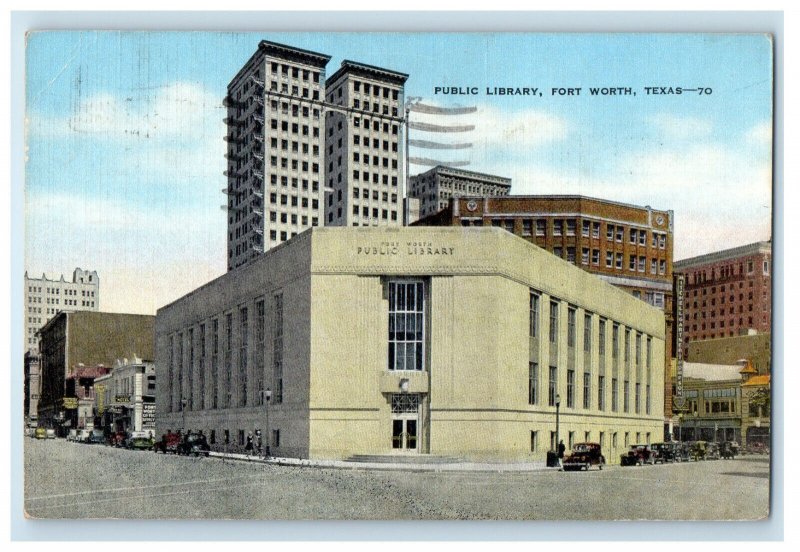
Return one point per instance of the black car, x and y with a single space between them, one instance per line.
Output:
665 452
194 444
96 437
583 456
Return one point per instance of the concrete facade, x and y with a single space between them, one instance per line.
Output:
435 187
363 145
89 338
727 293
275 155
470 366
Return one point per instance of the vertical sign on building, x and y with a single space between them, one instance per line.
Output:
679 400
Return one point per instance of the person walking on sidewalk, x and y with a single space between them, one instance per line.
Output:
561 449
249 446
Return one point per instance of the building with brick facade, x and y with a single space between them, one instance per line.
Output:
376 340
755 347
727 293
74 339
435 187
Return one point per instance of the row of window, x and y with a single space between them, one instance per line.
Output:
588 437
57 291
283 70
294 91
294 146
219 347
725 272
553 397
296 110
365 193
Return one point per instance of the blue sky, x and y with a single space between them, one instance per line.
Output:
125 149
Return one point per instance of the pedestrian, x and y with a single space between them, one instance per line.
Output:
249 445
561 449
259 442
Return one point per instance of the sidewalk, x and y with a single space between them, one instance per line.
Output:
510 467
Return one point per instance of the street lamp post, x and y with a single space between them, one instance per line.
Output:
267 395
183 412
680 425
695 426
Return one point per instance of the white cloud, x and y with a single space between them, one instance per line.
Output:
760 134
681 128
177 110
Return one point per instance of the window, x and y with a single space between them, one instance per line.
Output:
571 227
534 441
277 347
558 227
637 397
540 227
406 325
261 340
587 390
534 314
243 353
571 388
527 227
601 392
227 357
533 383
553 322
552 386
647 400
171 373
626 396
214 362
585 227
571 327
191 369
587 333
614 395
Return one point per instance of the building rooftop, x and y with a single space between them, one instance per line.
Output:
757 380
725 254
504 181
711 372
369 71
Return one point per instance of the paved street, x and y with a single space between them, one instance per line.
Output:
71 480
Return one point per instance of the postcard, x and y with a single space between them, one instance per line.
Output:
417 276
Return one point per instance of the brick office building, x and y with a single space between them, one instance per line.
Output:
626 245
726 293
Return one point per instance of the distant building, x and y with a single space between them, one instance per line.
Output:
755 347
79 396
756 410
435 187
125 397
72 339
713 410
44 298
727 293
415 340
32 386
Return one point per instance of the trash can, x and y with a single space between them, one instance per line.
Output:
552 459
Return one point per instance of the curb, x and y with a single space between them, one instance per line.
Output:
367 466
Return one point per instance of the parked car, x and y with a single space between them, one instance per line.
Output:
637 455
96 437
194 444
682 452
168 444
83 435
72 435
51 433
712 451
40 433
139 440
665 452
728 450
698 451
117 439
583 456
757 448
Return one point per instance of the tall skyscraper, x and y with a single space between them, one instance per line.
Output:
275 161
363 146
